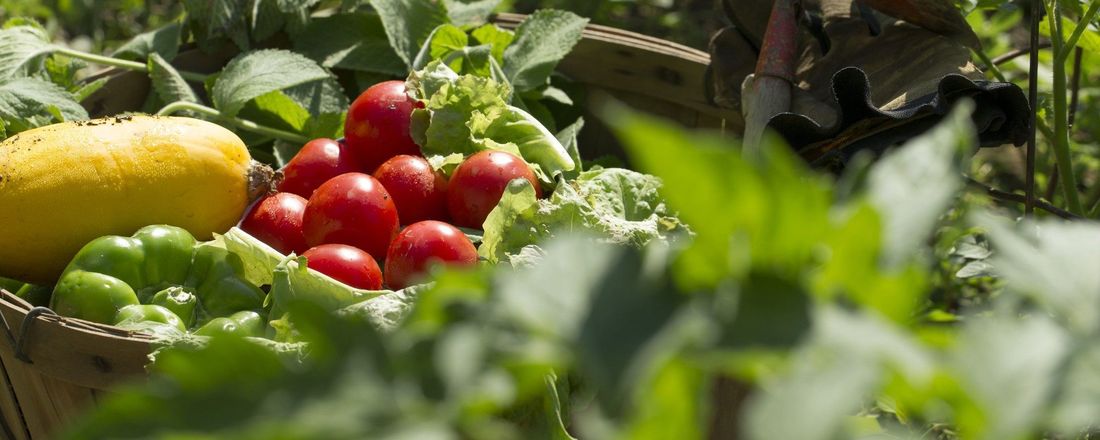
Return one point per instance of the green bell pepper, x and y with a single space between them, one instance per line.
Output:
244 323
179 301
112 272
130 316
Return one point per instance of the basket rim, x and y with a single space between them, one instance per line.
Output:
9 300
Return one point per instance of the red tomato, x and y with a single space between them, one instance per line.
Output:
479 181
417 190
423 244
377 126
352 209
346 264
317 161
277 221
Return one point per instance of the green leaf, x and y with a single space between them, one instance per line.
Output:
769 213
832 374
1090 39
167 82
1007 366
164 41
88 89
542 40
468 13
385 311
277 110
27 103
615 204
912 187
261 262
770 313
350 41
568 138
408 23
22 51
256 73
1050 263
443 41
468 113
496 37
214 20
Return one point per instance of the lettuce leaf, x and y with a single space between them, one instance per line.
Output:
261 263
619 205
467 113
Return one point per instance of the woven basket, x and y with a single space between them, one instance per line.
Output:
52 368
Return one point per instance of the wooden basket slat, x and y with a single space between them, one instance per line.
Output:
10 415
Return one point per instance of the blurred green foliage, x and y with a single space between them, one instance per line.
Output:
96 25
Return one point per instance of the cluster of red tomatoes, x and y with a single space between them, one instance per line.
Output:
341 204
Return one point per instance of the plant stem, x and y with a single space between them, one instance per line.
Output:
1074 96
246 125
1017 198
121 63
1082 25
1061 126
1033 100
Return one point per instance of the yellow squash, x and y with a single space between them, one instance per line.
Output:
65 184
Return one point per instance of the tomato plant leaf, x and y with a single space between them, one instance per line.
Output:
212 21
542 40
164 41
22 50
167 82
353 41
27 103
467 13
408 24
496 37
255 73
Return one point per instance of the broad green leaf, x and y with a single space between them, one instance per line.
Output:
350 41
470 12
496 37
911 187
831 375
1090 39
1007 366
256 73
276 109
167 82
264 19
1050 262
769 313
1076 410
319 97
214 20
526 295
22 50
27 103
408 23
163 41
542 40
770 213
669 405
444 40
631 325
